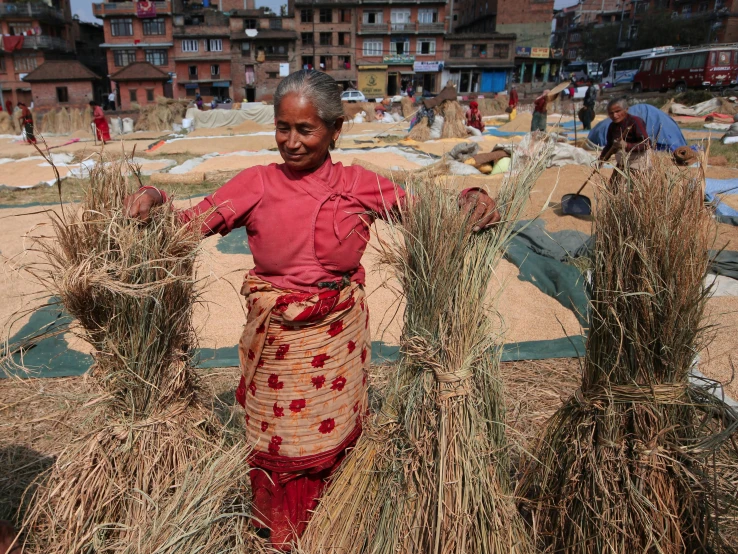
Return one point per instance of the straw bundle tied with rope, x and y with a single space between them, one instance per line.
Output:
131 287
431 473
454 120
420 131
634 461
161 115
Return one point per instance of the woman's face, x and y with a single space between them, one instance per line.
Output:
302 137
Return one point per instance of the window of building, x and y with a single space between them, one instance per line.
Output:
215 70
272 75
192 72
132 94
344 39
501 51
479 50
572 54
372 18
426 46
191 92
344 62
326 39
154 26
249 23
687 9
457 50
246 48
190 45
214 45
275 23
121 27
306 16
426 17
24 64
157 57
307 62
372 48
307 38
400 19
62 94
149 94
18 28
400 47
703 7
575 37
326 63
205 90
345 15
122 58
276 50
326 15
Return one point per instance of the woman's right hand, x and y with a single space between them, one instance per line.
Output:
140 203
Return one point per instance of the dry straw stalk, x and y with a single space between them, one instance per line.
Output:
627 464
131 286
430 474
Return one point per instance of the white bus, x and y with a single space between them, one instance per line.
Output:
621 70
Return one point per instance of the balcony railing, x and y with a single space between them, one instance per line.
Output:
411 27
127 8
32 10
202 30
43 42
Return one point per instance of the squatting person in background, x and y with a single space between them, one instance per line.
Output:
627 137
305 348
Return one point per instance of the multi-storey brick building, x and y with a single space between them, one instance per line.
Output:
33 32
399 44
264 51
722 16
139 32
202 55
479 62
327 37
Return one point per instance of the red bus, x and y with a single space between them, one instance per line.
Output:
699 67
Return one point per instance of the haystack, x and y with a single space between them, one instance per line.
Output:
161 115
408 106
628 463
63 122
454 120
47 124
431 472
420 131
131 287
7 125
493 106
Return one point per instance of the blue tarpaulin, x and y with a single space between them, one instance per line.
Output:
662 129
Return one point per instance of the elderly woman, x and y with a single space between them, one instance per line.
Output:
305 347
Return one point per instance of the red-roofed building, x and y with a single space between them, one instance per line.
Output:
139 83
61 83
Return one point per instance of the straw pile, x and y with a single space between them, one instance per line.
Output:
626 465
408 106
8 124
431 472
420 131
161 115
62 121
493 106
131 287
454 120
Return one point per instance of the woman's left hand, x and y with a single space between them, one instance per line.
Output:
482 207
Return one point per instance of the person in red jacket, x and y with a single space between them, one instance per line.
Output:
26 120
101 124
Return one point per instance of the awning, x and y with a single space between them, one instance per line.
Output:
407 73
222 84
190 86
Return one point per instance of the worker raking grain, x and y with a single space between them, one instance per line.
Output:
431 473
628 463
131 287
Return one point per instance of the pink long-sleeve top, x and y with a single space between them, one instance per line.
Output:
304 228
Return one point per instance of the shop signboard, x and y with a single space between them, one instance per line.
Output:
373 80
428 67
398 60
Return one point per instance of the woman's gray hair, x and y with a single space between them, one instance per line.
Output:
319 88
622 102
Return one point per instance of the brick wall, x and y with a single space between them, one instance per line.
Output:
140 87
45 95
142 39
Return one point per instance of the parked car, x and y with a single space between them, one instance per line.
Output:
353 96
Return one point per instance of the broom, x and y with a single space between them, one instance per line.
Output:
430 474
625 464
131 287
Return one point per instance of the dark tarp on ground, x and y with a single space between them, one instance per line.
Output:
662 129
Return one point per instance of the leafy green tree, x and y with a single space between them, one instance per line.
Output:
600 43
660 29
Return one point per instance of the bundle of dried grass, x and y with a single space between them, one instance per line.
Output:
408 106
63 122
454 120
431 473
7 126
626 464
161 115
47 125
493 106
131 287
420 131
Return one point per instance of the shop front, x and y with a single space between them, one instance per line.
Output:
427 77
373 80
400 72
535 65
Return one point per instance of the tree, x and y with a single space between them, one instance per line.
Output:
661 29
283 10
600 42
